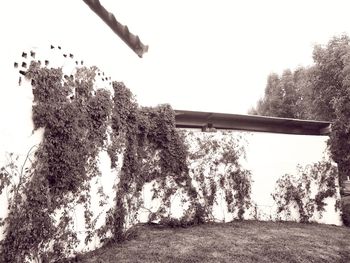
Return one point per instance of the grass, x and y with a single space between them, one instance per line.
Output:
246 241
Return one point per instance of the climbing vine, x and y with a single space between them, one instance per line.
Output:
307 191
79 121
215 165
74 117
152 151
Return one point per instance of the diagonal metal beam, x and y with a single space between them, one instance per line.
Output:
122 31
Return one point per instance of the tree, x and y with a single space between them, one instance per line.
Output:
331 97
330 72
302 84
280 97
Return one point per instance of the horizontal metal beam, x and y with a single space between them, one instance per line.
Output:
223 121
122 31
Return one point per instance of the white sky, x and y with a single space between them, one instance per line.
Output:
207 55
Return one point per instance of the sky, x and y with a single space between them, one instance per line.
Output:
203 55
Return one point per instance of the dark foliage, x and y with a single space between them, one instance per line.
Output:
74 132
346 214
79 121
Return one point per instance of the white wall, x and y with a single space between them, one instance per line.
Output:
268 156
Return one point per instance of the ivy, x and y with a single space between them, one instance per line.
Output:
153 151
78 122
307 191
215 164
74 117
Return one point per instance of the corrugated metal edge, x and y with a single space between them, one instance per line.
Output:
122 31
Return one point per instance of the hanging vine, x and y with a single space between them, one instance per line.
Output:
153 151
79 120
215 165
74 118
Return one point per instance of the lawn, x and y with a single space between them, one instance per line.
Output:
246 241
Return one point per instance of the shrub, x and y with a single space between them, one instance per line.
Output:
295 191
346 214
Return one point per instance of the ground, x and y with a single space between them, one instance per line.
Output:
246 241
